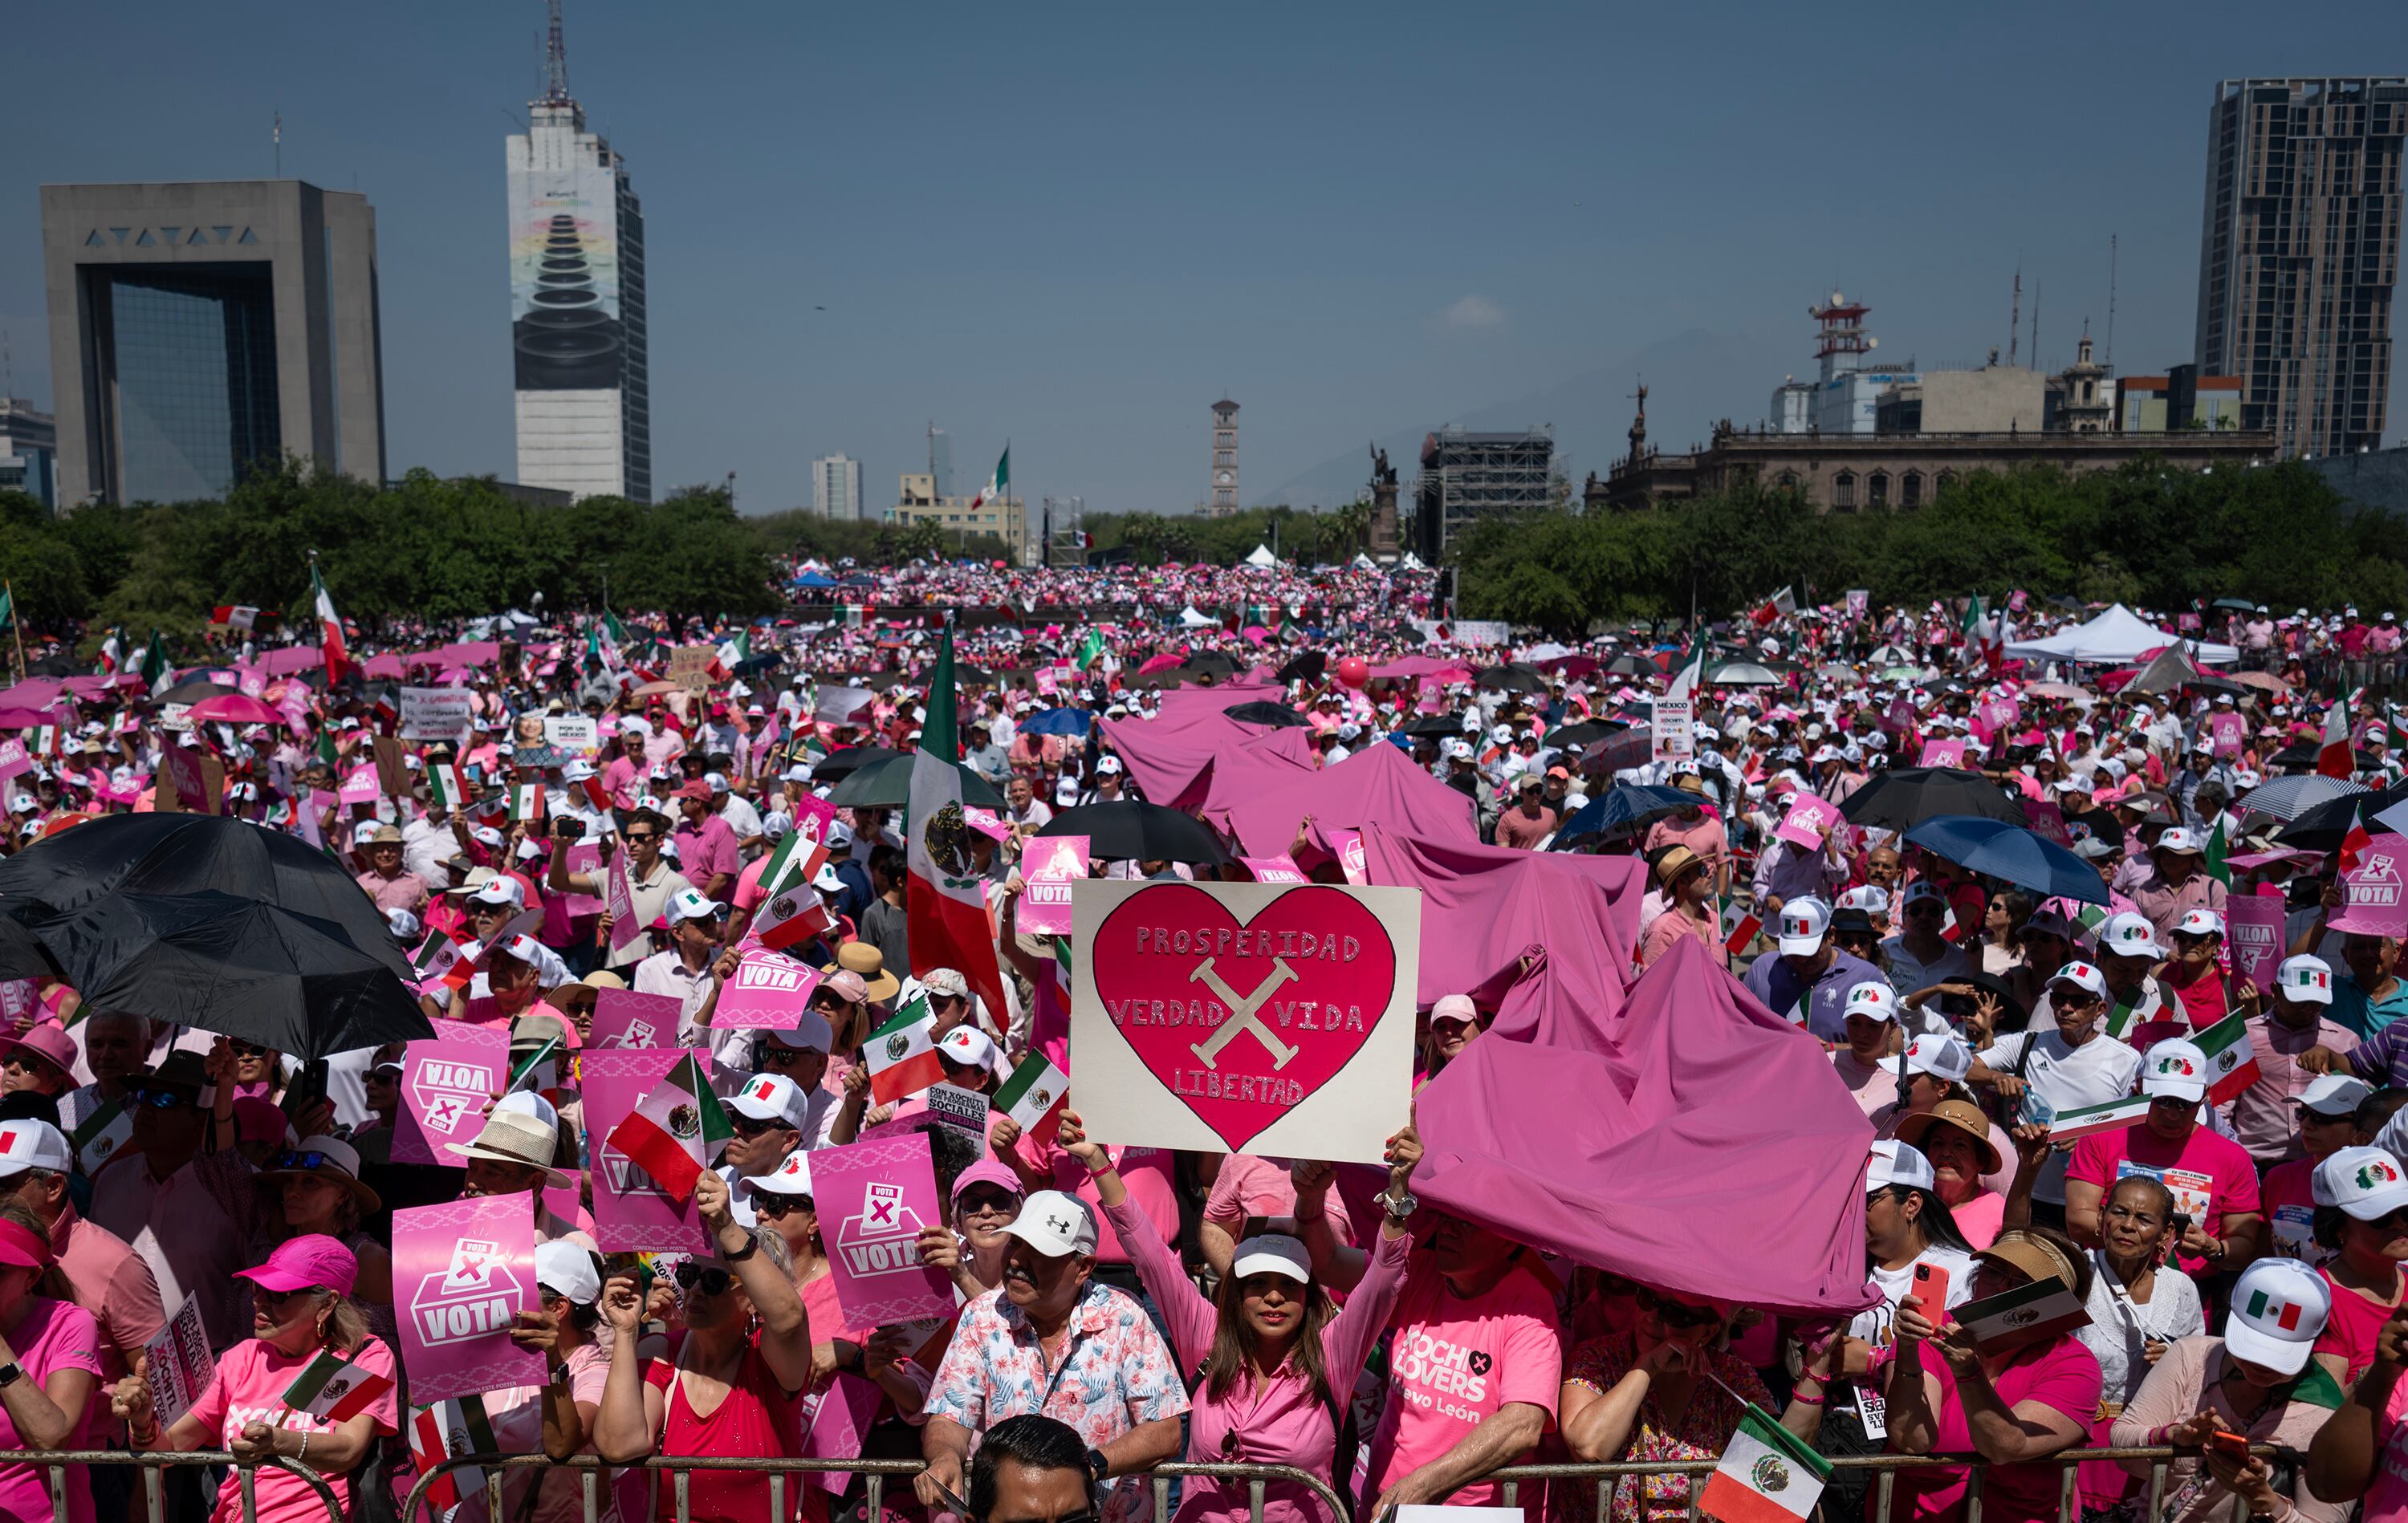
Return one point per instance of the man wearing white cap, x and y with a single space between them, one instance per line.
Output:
1870 1021
2177 880
1054 1341
2261 1115
1919 956
2212 1179
2069 1063
1809 980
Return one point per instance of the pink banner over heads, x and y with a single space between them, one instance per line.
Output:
1378 785
1699 1147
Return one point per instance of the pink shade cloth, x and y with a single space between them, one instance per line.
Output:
233 708
387 668
1377 785
1172 759
286 659
1698 1143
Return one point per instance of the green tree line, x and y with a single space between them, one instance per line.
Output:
2277 535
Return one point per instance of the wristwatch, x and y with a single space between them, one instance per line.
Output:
1098 1467
10 1373
1400 1203
752 1245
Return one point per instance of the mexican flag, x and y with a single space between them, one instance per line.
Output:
445 788
527 801
2216 847
435 955
1740 926
446 1431
539 1072
945 909
334 1389
103 1132
2231 1066
996 486
112 651
1034 1093
1981 633
2334 756
732 652
672 1132
1767 1475
1776 606
1091 650
2354 844
901 1055
330 628
236 616
797 856
156 674
794 913
1692 672
2028 1314
2113 1115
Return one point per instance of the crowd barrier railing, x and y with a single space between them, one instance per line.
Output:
879 1474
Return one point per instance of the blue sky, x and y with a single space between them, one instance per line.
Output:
1077 226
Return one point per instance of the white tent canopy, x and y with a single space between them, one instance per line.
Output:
1191 620
2115 638
1262 559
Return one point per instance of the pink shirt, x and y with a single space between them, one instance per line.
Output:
515 1415
1981 1217
50 1337
2387 1500
2201 1161
1281 1422
1248 1186
2350 1329
1147 1171
248 1388
708 850
2262 1115
1456 1362
2061 1374
111 1282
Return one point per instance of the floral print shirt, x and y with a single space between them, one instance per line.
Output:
1114 1373
1711 1417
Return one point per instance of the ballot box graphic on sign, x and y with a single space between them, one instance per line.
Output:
884 1238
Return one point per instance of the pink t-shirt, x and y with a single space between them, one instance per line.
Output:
1147 1171
2291 1211
2062 1375
2202 999
1980 1218
53 1335
2350 1329
248 1388
1456 1362
2387 1500
2202 1164
1248 1186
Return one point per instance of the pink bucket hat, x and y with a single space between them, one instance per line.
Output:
47 1041
301 1263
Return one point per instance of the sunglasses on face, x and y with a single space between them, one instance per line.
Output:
990 1202
164 1100
786 1057
636 838
1673 1314
247 1049
745 1126
773 1207
312 1160
26 1062
713 1279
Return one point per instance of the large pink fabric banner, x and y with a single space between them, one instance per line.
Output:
461 1272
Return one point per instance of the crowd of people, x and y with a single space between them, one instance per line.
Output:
2233 1252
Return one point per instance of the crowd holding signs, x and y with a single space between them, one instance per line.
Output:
1273 1026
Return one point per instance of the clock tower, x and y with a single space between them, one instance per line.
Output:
1225 458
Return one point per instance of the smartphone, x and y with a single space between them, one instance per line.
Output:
2178 1222
1929 1293
2235 1445
308 1088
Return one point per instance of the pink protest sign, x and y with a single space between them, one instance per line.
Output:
1809 819
461 1272
2253 926
770 992
2227 733
879 1195
1347 847
1244 1016
1048 681
584 857
445 1085
1051 864
624 927
1944 753
1998 714
13 759
625 1018
359 787
190 779
1279 868
631 1214
813 817
2372 900
836 1417
2048 820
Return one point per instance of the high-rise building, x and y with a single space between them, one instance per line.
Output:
940 460
2300 252
576 303
1225 458
202 327
29 452
836 487
1466 476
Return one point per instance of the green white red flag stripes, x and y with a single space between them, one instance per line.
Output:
447 1431
901 1055
446 789
2231 1063
793 915
330 628
2113 1116
2334 756
331 1388
1035 1091
674 1129
2028 1314
1767 1475
997 484
945 911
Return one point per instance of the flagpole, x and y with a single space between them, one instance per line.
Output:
16 629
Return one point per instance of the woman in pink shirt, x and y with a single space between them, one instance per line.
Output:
1688 881
1276 1358
57 1345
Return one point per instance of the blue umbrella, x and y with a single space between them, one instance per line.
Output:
2010 852
1057 721
1621 806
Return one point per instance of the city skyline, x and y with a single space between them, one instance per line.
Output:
1019 254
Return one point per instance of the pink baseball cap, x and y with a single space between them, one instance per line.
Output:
987 1171
21 1245
301 1263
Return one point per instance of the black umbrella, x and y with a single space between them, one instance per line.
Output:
1631 664
845 762
2302 757
58 663
1135 832
1209 663
1310 668
1902 799
2320 827
1583 732
766 661
1263 711
192 690
973 677
1437 725
887 785
1510 680
1619 809
234 965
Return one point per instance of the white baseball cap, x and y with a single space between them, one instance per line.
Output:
2185 841
2333 1095
792 1177
33 1145
1940 1056
1874 999
2200 922
946 981
1109 766
1054 1224
810 1032
2083 976
497 891
568 1269
1274 1253
2129 935
1869 897
968 1045
690 904
1803 921
2175 1069
770 1097
2304 980
2279 1308
1895 1162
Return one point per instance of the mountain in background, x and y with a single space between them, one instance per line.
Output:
1694 378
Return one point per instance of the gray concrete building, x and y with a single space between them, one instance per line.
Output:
201 326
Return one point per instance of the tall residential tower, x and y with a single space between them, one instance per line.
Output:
2301 253
576 303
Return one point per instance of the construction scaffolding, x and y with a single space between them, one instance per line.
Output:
1467 476
1065 531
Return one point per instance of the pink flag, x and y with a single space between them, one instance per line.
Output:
631 1213
446 1083
1279 868
770 992
1808 819
624 927
873 1197
461 1270
625 1018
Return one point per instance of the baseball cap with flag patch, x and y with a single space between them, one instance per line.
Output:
1873 1000
2304 980
2175 1069
1803 921
2365 1182
33 1145
2279 1309
770 1097
2082 975
2129 935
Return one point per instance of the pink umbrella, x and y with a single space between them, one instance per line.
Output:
1155 664
286 659
387 665
233 708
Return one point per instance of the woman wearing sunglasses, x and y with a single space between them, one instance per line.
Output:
302 1306
315 1189
737 1382
1277 1356
986 1200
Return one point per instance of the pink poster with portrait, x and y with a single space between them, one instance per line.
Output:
1050 865
631 1214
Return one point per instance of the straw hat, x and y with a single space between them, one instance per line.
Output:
515 1137
866 960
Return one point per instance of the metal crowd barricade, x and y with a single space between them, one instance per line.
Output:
55 1462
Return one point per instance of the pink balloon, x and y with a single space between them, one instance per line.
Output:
1353 671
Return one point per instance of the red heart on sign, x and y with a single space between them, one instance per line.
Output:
1178 975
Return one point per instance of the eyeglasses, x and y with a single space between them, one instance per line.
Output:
773 1206
713 1279
1674 1314
164 1100
745 1126
2397 1216
990 1202
247 1049
636 838
26 1062
778 1057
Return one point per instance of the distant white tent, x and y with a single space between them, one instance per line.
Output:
1262 560
2115 638
1361 563
1413 562
1191 620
